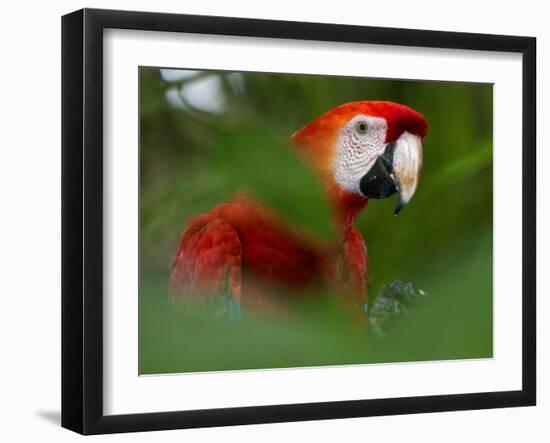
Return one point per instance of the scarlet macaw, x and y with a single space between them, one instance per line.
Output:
361 150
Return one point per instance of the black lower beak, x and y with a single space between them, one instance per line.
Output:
378 182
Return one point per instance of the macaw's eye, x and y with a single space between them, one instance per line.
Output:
361 127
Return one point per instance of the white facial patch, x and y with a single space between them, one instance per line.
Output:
407 163
357 150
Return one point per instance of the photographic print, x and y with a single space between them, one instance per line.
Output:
302 220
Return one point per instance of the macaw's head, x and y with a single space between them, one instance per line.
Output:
367 149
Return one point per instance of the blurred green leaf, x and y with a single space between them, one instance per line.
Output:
453 322
255 161
462 168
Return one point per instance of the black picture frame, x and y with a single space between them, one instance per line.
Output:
82 220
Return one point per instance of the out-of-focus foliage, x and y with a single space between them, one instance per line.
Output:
205 135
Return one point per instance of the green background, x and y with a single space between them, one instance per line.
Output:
441 242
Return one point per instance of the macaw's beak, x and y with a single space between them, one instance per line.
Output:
398 170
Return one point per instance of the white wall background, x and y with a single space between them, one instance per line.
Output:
30 219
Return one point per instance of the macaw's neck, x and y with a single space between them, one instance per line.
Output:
346 207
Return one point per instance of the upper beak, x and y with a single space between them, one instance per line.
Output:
397 170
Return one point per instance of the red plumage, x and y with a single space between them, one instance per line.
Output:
245 247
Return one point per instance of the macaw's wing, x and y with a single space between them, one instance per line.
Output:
208 261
